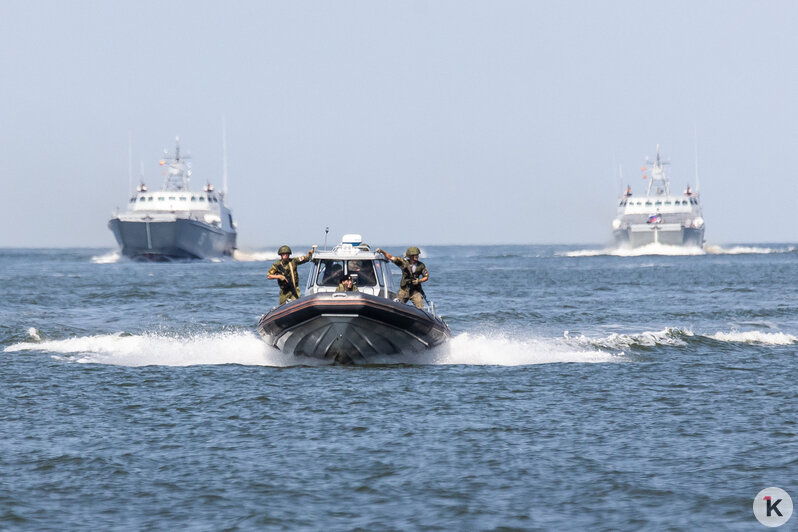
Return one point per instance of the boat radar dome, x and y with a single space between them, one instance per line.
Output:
352 239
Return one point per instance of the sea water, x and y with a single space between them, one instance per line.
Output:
583 389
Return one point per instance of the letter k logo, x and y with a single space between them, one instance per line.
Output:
772 506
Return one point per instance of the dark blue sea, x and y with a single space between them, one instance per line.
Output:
582 390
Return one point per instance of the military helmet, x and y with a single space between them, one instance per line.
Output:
284 249
412 250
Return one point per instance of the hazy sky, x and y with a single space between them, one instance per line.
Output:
438 122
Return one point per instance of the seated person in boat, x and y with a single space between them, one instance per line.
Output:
346 285
285 271
364 275
414 272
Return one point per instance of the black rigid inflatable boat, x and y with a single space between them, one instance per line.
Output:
369 325
349 327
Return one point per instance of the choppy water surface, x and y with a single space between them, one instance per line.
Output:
583 389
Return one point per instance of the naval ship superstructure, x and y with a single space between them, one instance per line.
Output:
175 222
659 216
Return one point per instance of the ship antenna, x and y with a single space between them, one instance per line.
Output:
129 162
695 145
224 156
326 230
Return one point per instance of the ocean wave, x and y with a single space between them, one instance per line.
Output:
755 337
675 336
669 336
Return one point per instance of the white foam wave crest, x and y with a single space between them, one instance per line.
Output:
649 249
162 350
254 256
109 258
667 336
745 250
755 337
500 350
247 348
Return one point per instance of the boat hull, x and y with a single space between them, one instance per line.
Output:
668 234
179 238
350 327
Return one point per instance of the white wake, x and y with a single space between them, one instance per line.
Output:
675 251
501 350
746 250
755 337
241 256
669 336
649 249
161 350
109 258
254 256
247 348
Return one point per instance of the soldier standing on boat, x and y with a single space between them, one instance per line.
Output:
285 271
414 272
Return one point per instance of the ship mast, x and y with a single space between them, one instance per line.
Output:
658 176
177 171
695 139
224 156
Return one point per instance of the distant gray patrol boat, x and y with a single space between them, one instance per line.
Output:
659 217
174 222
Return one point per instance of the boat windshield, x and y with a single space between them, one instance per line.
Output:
362 272
330 272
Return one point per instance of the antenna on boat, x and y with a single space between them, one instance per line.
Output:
129 162
326 230
224 156
695 146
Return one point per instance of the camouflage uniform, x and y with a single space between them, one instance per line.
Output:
342 288
407 290
289 270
